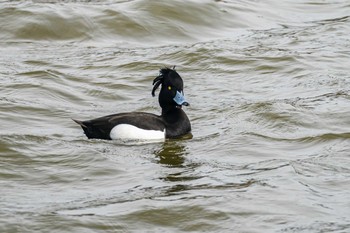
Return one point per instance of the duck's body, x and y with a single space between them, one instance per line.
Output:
172 123
137 125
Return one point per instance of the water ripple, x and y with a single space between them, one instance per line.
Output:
268 86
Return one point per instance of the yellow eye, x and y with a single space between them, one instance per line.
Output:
169 88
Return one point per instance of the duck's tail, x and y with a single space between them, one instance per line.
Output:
80 123
91 131
84 127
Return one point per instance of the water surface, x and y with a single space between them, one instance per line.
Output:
268 83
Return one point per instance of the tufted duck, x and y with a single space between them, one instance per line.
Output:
172 123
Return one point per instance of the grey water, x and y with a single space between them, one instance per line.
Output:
269 88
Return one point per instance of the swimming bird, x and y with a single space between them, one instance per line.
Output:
172 123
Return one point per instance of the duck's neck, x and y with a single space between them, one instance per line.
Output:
172 115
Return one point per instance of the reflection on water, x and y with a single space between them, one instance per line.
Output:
172 154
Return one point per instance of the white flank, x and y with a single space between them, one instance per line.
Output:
130 132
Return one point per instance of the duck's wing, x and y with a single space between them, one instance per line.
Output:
101 127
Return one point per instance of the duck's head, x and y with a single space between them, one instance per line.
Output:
171 94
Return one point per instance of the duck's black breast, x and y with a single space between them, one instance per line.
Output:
101 127
177 123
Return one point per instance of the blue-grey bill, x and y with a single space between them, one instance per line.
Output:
180 99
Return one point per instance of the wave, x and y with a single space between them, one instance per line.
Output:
145 21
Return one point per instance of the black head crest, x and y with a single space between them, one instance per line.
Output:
160 78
